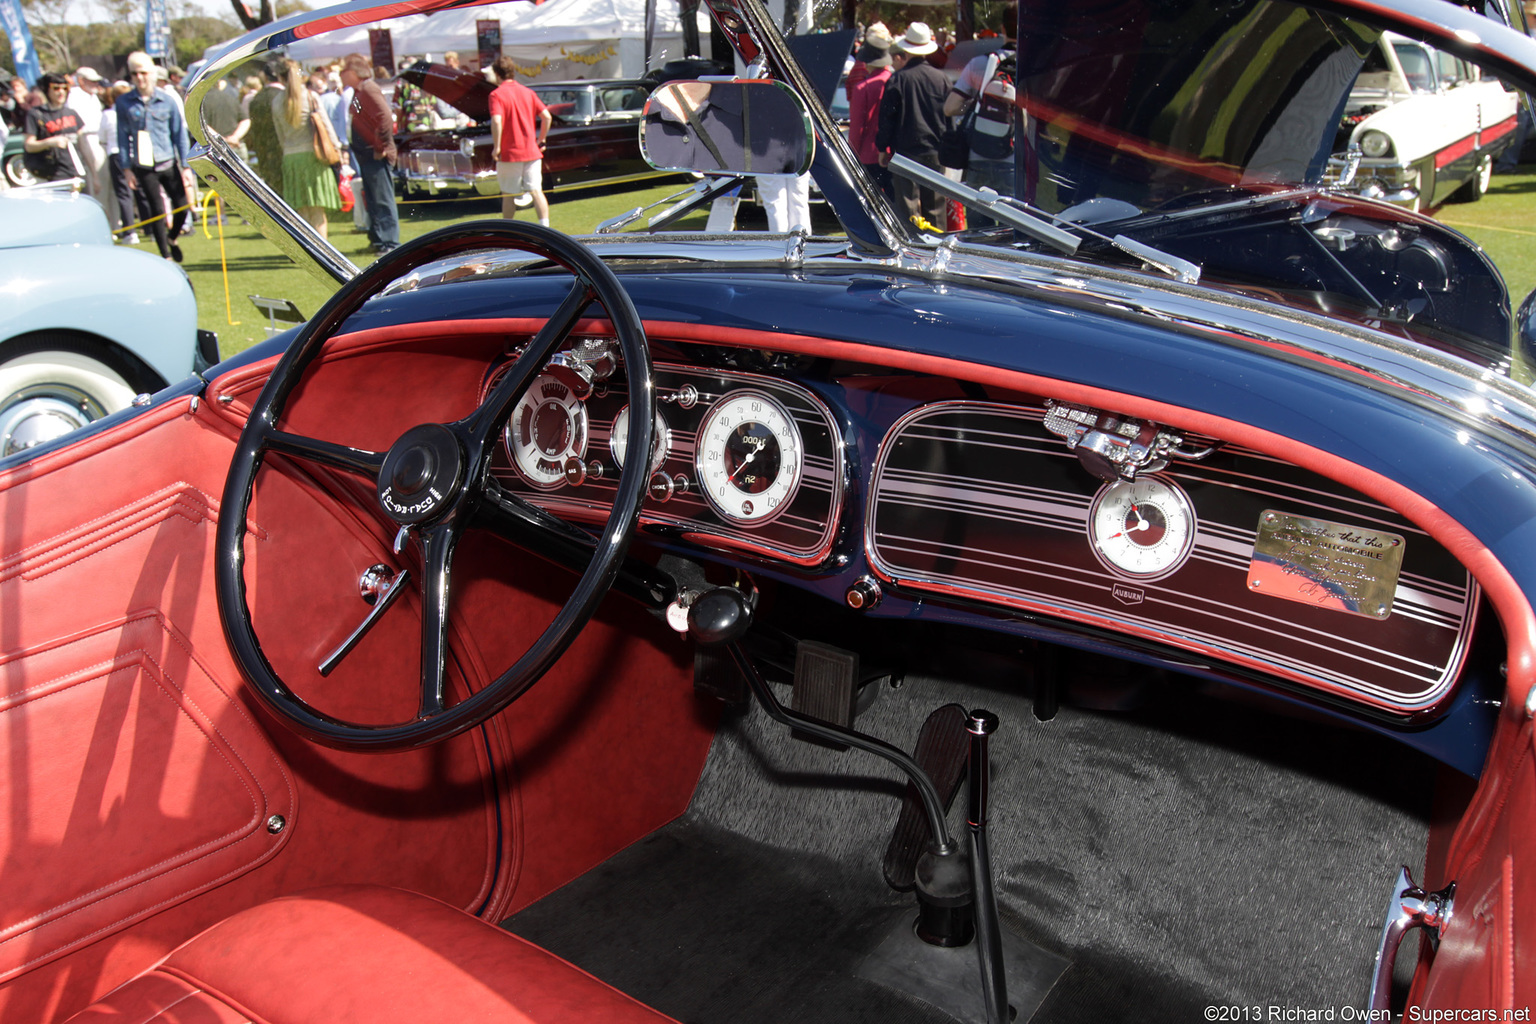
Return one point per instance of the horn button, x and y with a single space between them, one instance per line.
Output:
421 473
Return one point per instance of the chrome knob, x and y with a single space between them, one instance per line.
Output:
863 594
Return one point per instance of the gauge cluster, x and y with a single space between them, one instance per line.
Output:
737 460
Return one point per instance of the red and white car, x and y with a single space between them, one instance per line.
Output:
1427 124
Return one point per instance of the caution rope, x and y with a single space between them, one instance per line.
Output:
151 220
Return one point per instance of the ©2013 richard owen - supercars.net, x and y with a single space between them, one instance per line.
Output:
1120 609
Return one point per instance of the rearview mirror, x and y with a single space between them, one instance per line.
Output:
742 127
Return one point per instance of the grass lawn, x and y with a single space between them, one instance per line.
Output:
255 267
1503 223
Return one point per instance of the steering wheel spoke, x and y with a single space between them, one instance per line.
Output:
493 412
435 482
328 453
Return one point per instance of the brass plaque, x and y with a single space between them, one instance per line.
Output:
1327 565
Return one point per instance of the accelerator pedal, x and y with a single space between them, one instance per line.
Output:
942 746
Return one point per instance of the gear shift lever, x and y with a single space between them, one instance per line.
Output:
989 936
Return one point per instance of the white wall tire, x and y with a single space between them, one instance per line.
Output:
46 394
16 172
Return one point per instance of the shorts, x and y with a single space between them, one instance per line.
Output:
520 176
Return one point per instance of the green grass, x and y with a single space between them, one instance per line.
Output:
255 267
1503 223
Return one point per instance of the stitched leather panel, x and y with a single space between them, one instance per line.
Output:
159 998
142 783
356 954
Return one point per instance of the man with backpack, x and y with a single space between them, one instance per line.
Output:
984 96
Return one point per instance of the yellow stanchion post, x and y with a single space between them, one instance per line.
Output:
213 197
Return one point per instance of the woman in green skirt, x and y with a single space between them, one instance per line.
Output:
309 186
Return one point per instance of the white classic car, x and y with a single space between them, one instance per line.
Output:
1427 125
87 324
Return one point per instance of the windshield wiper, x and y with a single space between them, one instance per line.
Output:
1041 226
690 198
1036 227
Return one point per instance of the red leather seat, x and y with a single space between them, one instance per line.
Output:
362 954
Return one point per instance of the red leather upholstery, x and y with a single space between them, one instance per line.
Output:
355 954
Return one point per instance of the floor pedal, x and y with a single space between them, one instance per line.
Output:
942 746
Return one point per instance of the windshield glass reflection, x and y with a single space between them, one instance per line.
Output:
1259 146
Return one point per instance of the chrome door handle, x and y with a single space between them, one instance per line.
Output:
1409 907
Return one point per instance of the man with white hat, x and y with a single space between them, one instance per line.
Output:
85 100
911 121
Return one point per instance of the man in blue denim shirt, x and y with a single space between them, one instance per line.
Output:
152 149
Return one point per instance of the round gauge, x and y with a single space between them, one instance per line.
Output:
618 440
1143 529
748 457
548 426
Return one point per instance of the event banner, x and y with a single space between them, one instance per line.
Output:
564 63
22 53
488 37
381 49
157 29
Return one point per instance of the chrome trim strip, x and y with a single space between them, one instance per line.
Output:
1218 649
654 520
252 198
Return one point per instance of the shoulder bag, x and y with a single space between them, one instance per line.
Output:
955 142
325 146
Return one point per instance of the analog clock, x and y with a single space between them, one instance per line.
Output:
1142 529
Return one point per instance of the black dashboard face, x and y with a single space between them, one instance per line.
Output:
1237 560
739 460
1240 557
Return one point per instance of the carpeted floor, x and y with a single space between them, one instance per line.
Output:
1199 853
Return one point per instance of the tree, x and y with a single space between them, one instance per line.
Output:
52 34
267 11
262 16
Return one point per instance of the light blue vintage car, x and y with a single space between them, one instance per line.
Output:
87 324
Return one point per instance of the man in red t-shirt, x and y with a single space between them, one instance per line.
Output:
519 125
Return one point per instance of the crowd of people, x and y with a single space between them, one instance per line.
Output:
128 143
311 132
901 103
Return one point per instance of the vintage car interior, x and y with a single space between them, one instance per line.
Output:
1121 612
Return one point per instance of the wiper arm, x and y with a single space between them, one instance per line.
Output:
1038 228
698 193
1179 269
1040 225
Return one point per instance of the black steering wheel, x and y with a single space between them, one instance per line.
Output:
435 483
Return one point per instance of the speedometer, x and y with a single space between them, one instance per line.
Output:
748 457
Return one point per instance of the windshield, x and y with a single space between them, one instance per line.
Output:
1256 146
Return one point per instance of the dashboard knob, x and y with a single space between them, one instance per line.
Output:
719 616
661 487
575 471
863 594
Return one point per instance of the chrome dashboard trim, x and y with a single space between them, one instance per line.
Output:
655 520
1356 691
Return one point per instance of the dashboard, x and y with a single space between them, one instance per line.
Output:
960 493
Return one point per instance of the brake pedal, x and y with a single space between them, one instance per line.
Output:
942 747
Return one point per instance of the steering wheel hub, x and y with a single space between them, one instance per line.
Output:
421 474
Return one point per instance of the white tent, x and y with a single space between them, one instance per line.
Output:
555 39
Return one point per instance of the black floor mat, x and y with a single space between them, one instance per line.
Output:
707 926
